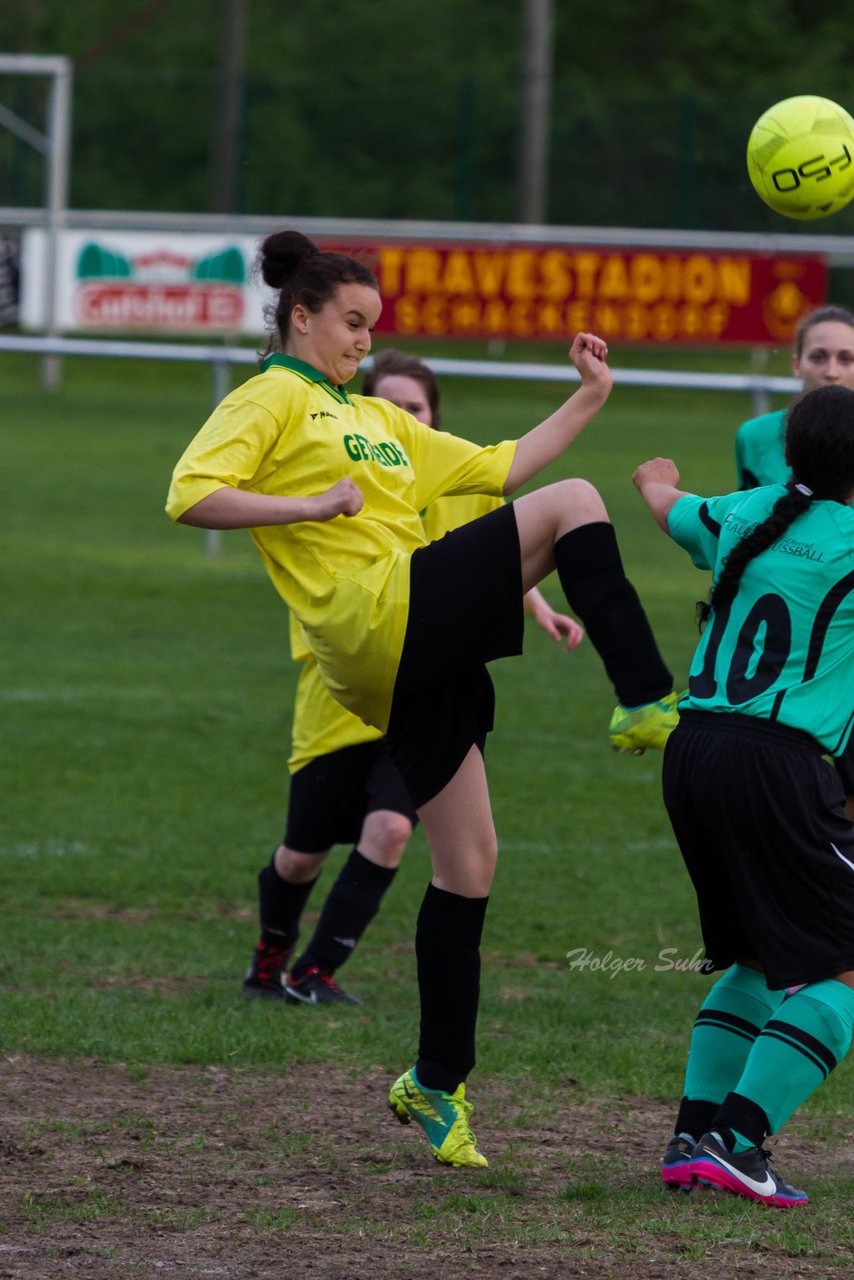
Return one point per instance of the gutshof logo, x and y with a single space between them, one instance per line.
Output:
159 290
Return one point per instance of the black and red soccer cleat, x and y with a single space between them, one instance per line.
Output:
316 986
265 976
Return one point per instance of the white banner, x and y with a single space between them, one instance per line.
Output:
145 282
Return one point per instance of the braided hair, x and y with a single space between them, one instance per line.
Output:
306 275
820 451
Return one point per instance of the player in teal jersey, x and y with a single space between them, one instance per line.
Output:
823 356
756 809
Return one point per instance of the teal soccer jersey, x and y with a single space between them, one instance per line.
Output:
784 648
760 451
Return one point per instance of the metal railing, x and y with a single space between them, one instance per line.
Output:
758 385
221 358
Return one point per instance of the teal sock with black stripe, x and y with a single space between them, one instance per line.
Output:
794 1053
725 1030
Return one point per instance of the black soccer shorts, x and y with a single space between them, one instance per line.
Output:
759 817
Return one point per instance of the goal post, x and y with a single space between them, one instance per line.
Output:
55 145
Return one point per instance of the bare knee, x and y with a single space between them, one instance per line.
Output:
546 515
467 868
385 835
580 503
298 868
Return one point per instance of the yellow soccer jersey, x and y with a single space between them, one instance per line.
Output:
446 514
288 431
320 725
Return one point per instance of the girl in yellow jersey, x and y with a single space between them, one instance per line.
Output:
344 785
331 487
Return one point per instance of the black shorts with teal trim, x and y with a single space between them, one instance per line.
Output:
332 795
759 817
465 609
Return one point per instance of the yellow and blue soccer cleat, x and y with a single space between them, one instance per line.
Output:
638 729
444 1117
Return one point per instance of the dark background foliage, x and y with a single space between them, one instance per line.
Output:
410 110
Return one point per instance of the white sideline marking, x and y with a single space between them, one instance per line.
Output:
78 695
47 848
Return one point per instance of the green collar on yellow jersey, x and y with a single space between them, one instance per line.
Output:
306 371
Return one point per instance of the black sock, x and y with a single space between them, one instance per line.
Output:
351 905
280 906
695 1117
447 949
591 573
745 1117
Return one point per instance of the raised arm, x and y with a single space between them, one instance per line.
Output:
230 508
545 442
656 482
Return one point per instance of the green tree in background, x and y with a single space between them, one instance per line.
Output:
409 110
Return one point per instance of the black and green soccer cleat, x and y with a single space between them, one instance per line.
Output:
444 1117
639 729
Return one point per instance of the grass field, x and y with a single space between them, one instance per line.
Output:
146 702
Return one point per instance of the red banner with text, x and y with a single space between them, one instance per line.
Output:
528 291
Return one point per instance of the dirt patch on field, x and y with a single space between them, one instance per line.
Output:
107 1172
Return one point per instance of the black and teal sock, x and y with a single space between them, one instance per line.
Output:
280 906
794 1053
740 1123
447 950
351 905
591 573
725 1029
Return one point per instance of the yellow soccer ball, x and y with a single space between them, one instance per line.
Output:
800 157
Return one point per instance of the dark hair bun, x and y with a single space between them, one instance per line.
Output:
281 256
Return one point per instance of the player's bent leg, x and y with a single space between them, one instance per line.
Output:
544 516
585 553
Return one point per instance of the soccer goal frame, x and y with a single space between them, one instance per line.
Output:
55 146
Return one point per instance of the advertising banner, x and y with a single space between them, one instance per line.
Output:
144 282
624 295
10 269
180 283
